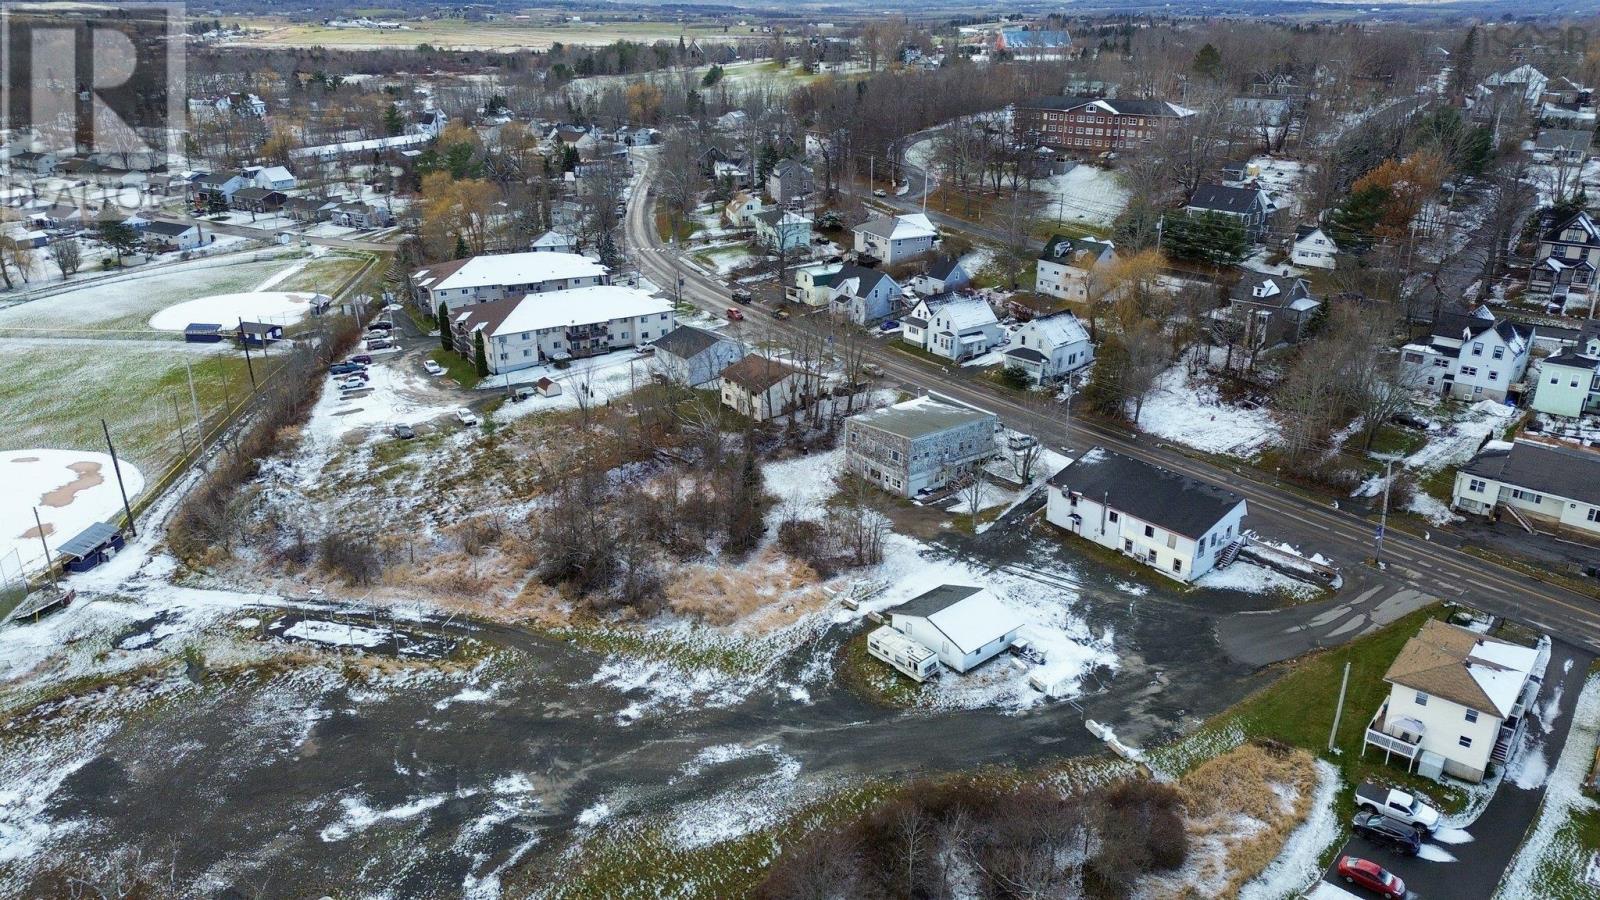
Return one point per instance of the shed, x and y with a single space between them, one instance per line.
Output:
259 333
90 547
547 387
202 333
965 625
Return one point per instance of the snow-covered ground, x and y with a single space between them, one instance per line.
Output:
276 307
396 396
1300 861
1250 578
70 490
128 299
1087 195
596 380
1188 411
1450 444
1551 854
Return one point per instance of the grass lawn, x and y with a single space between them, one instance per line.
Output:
1402 441
1298 709
457 368
324 275
128 305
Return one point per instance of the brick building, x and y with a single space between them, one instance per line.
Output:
1094 124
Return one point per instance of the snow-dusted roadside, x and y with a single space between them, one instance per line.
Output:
1300 863
1551 863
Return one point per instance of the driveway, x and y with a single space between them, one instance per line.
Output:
1366 602
1471 870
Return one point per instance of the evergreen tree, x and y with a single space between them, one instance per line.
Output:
1103 393
712 76
1205 236
746 506
393 121
480 355
1464 63
609 257
1207 62
120 237
444 327
1352 223
461 248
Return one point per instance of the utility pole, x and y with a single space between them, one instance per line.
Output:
1338 711
194 401
244 342
1383 516
48 568
177 419
115 467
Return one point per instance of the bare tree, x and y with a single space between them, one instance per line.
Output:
68 254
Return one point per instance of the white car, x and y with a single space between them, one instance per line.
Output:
353 384
466 417
432 368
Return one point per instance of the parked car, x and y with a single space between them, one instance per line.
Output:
432 368
466 417
1365 873
380 325
880 192
404 432
735 314
1384 831
379 344
362 359
353 383
1397 804
741 296
888 325
343 368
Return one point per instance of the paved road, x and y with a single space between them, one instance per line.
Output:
1478 864
270 234
1344 536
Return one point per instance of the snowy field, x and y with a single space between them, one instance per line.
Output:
70 489
1188 411
129 300
1087 195
276 307
1450 442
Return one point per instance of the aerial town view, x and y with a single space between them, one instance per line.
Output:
644 449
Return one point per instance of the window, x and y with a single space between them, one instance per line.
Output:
1112 515
1149 531
1422 699
1464 741
1469 370
1475 485
1472 715
1477 348
1493 375
1594 514
1499 353
1177 565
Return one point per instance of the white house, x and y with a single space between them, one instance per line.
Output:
275 178
942 275
531 330
179 234
1568 383
813 285
1469 356
552 241
480 279
1050 347
741 209
1456 698
764 388
966 626
956 328
862 295
1540 485
1175 524
894 239
1067 267
695 356
1313 249
781 230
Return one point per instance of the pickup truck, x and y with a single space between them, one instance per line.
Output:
1397 804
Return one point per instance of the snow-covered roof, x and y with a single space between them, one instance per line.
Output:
970 617
1057 330
899 228
1464 667
962 314
580 306
276 173
506 269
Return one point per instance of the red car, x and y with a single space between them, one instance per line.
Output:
1368 874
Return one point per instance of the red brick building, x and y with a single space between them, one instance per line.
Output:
1094 124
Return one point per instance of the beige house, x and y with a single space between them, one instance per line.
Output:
1456 701
763 388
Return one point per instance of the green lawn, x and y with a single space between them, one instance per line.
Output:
456 367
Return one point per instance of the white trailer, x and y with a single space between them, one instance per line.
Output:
907 656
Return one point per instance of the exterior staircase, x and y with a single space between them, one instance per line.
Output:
1229 554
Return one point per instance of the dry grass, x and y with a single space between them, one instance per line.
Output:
768 591
1240 809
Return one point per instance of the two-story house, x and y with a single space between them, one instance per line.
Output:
813 285
1050 347
861 295
789 180
1180 526
1313 248
1569 256
956 328
894 239
763 388
1250 206
1568 383
694 356
1469 356
782 231
1458 696
1556 487
741 209
1069 266
919 445
942 275
1271 309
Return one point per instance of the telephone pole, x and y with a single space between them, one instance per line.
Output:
1383 515
116 468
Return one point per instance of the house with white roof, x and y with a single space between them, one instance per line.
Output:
480 279
1050 347
956 328
1542 486
813 285
1180 526
894 239
966 626
1469 356
274 178
530 330
552 241
1313 248
1457 700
